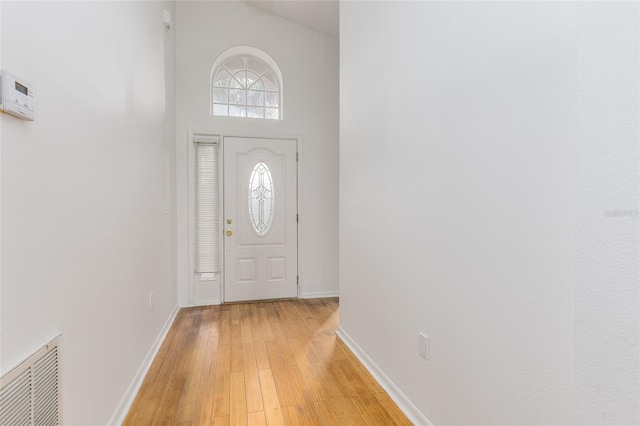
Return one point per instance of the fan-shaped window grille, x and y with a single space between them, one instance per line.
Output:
246 82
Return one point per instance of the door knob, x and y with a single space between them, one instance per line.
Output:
229 232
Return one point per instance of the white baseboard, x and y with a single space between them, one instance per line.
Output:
207 302
407 407
319 294
123 408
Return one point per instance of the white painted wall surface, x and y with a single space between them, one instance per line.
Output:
481 145
84 236
607 315
308 61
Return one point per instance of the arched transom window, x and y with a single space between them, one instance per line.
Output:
246 82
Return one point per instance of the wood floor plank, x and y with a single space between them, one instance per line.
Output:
301 415
272 410
347 410
279 375
238 400
329 383
235 313
223 382
220 421
265 363
236 346
387 403
262 357
275 322
166 411
312 385
286 394
297 386
326 414
376 413
251 379
152 388
352 384
256 418
265 325
259 347
175 389
205 396
193 374
247 323
287 355
160 371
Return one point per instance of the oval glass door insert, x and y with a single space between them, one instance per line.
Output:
261 199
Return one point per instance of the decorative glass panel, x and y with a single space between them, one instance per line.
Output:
261 199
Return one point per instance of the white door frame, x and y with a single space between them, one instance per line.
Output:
193 294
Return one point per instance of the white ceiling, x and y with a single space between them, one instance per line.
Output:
319 15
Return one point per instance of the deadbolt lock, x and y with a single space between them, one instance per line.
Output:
228 221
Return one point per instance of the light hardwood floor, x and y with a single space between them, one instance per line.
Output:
269 363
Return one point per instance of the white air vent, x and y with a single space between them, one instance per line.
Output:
30 393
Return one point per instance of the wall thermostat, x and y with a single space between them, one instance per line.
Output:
16 96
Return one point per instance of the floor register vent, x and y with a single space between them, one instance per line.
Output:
30 393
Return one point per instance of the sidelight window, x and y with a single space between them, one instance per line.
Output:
207 205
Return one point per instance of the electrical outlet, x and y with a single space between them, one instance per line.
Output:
423 346
150 301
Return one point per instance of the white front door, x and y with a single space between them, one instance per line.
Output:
260 219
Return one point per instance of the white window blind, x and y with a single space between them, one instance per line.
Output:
207 256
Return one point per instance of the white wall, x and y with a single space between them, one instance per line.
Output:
84 236
607 315
309 64
481 146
